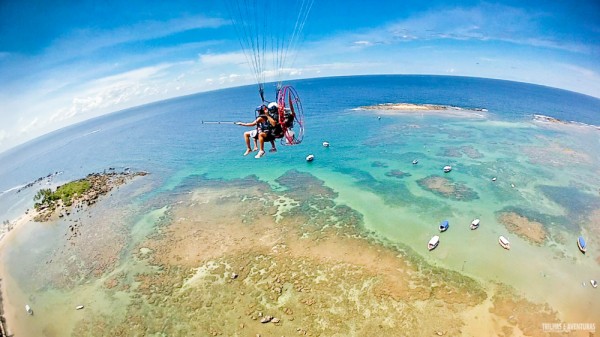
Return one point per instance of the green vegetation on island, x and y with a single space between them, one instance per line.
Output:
78 193
66 193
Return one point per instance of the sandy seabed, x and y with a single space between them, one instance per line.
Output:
240 259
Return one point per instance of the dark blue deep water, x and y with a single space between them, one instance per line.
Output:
166 136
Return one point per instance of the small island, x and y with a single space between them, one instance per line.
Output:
78 193
394 108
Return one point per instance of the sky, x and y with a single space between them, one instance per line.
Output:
62 62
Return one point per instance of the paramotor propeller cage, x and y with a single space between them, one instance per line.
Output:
291 115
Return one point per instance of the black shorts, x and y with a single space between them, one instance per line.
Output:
269 136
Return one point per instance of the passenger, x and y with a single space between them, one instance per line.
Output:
264 132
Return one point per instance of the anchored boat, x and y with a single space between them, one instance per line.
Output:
434 242
504 242
581 244
475 224
444 226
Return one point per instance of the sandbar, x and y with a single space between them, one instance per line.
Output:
411 108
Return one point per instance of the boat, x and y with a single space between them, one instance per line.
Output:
310 157
594 283
475 224
444 226
434 242
504 242
415 162
79 307
28 309
326 144
447 168
581 244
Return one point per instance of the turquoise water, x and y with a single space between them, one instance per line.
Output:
545 172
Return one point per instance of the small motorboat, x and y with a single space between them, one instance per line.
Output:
326 144
594 283
310 157
415 162
447 168
434 242
28 309
581 244
444 226
475 224
504 242
79 307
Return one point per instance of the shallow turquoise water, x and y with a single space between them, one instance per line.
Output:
544 171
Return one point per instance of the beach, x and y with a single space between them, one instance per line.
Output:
8 310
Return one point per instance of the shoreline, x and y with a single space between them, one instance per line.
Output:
3 328
105 182
8 311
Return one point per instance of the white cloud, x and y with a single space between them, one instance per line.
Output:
85 41
363 43
110 92
486 22
30 126
577 71
222 59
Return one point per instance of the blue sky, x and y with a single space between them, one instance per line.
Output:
62 62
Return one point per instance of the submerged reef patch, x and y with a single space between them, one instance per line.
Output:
236 259
459 151
530 230
577 204
444 187
397 174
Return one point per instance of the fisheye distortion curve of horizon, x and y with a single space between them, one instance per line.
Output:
64 63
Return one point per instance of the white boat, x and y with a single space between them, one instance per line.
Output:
447 168
310 157
326 144
28 309
434 242
594 283
504 242
79 307
475 224
415 162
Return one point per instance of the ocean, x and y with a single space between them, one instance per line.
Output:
546 183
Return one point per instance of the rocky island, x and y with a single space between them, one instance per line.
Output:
78 193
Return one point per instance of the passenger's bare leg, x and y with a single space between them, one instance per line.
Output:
247 139
261 142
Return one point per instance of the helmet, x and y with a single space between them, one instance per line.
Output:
272 106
